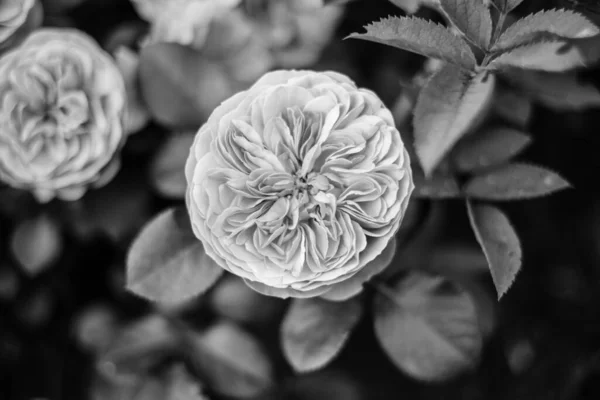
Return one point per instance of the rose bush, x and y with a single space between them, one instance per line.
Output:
62 102
13 14
299 184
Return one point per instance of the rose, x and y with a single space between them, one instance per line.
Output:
295 31
13 14
413 6
137 116
299 184
186 22
62 102
229 57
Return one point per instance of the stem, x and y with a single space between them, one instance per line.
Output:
486 59
449 23
499 26
497 32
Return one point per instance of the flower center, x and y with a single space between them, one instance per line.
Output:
310 185
306 198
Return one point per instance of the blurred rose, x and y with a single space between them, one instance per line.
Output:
62 102
299 184
296 31
185 22
13 14
412 6
137 116
289 33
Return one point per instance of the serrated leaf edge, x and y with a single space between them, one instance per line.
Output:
486 171
469 53
477 234
498 46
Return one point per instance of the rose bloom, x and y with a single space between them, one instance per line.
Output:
295 31
62 102
299 184
186 22
13 14
412 6
289 33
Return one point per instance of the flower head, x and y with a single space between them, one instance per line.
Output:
185 22
298 184
295 31
62 102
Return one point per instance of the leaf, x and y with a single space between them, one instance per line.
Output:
551 56
515 182
428 326
454 259
36 244
589 48
563 23
180 385
558 91
499 243
180 86
485 302
233 299
489 148
168 166
137 348
95 327
422 37
231 361
314 330
167 263
472 18
447 107
174 384
437 186
506 6
512 106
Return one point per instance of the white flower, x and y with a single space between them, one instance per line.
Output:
186 22
62 102
299 184
296 31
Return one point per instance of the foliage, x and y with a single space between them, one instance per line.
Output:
112 295
538 41
167 264
314 330
428 326
454 102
